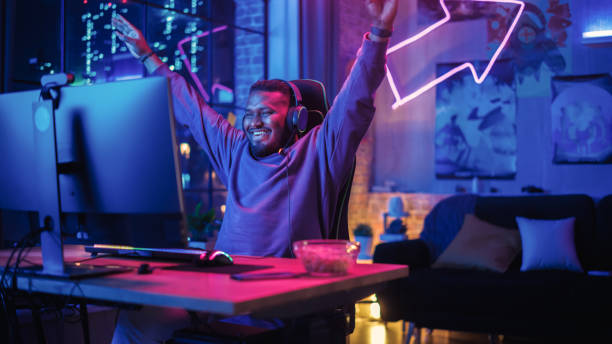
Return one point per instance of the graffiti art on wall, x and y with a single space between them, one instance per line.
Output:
476 125
406 87
540 46
582 119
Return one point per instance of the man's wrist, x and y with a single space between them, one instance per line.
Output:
381 32
144 57
378 34
152 63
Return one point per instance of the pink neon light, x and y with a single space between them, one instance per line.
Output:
186 61
399 101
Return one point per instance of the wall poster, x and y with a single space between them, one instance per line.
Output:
582 119
476 124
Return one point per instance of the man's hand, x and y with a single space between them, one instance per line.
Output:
131 36
383 12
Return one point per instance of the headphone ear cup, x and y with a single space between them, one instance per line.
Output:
301 118
291 119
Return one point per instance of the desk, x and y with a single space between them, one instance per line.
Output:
174 284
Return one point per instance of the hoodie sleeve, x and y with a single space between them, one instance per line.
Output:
352 111
214 134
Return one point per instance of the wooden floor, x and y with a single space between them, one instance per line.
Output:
369 330
377 332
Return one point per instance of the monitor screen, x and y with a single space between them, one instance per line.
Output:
118 158
18 170
121 136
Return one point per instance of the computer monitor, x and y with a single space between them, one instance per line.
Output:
116 151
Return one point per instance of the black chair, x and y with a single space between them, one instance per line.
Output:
314 98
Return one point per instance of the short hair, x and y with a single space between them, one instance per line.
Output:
273 85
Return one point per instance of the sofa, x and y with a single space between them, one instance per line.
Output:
548 302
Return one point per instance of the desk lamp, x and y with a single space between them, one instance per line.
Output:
395 212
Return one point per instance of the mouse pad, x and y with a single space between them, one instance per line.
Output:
228 269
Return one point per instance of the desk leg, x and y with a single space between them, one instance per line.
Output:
12 321
85 323
40 331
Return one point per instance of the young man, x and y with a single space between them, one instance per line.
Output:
280 189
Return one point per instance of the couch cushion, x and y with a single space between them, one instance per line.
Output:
512 302
413 253
548 244
502 211
481 245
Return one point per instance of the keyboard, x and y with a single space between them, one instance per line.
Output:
161 253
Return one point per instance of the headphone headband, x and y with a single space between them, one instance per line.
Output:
296 93
297 116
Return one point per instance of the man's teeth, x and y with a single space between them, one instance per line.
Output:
259 132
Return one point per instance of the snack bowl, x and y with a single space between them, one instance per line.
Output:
323 257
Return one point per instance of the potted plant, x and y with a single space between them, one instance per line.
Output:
363 235
395 232
202 227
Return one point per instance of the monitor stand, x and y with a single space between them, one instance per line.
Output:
74 271
49 209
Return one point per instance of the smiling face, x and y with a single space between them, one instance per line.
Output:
265 122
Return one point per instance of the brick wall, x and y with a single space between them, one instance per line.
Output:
353 21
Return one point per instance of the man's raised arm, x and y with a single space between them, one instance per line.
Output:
213 133
353 109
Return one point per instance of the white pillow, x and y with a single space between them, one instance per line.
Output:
548 244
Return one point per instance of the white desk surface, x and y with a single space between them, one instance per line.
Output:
195 289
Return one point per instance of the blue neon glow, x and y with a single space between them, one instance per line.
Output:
597 34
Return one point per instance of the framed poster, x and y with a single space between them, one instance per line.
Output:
476 124
581 116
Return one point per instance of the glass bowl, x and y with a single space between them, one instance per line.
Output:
327 257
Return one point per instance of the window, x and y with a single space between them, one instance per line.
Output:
217 45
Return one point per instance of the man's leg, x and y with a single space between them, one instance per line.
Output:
149 324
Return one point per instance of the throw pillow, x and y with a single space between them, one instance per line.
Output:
548 244
481 245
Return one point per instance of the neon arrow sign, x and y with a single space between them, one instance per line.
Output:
399 100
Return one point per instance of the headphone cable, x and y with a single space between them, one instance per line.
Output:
282 152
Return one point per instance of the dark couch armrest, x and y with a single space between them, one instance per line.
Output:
413 253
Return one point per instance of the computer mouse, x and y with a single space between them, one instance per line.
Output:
214 258
144 269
